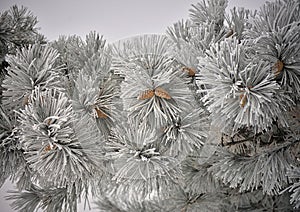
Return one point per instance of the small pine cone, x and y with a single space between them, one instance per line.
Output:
229 33
243 99
100 113
26 100
49 147
278 67
190 71
146 95
160 92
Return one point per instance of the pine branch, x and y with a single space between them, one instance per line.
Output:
238 22
273 16
293 120
209 13
105 204
153 90
184 201
30 67
97 99
55 148
48 198
111 200
198 180
18 26
244 95
185 134
280 48
180 31
294 175
258 201
139 169
11 152
250 173
91 57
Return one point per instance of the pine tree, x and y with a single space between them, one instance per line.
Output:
202 118
17 29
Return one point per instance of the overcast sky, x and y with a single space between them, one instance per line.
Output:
115 19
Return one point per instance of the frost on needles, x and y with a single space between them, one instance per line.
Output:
203 118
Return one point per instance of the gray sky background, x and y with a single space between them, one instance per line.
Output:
115 19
